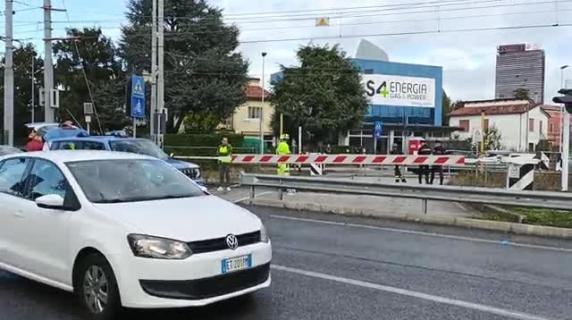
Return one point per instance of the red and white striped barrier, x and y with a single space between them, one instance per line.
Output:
351 159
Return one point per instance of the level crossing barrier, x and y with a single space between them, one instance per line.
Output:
346 159
531 199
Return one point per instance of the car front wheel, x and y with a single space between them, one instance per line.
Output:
96 288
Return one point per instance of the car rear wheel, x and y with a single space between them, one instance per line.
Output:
96 288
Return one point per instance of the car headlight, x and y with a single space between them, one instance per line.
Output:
264 234
158 248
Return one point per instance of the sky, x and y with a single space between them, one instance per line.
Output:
419 31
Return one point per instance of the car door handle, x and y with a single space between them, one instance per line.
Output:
18 214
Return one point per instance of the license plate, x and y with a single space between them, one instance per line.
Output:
236 263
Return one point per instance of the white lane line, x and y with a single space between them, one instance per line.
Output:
247 198
427 234
413 294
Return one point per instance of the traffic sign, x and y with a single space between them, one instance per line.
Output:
377 129
137 107
137 97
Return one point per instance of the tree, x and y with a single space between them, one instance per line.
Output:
493 138
324 94
23 58
521 94
203 72
88 69
447 108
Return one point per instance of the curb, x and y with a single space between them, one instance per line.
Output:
499 226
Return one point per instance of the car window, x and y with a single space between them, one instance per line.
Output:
44 179
77 145
92 145
11 174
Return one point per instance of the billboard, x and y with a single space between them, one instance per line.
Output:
404 91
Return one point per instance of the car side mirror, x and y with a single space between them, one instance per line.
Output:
50 201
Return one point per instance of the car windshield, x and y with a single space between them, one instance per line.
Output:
130 180
139 146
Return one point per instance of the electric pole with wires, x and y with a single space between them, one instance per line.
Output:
158 112
8 135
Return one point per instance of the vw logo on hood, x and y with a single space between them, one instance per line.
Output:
232 241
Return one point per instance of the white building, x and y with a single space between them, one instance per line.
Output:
521 123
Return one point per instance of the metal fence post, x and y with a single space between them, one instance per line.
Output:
424 205
252 193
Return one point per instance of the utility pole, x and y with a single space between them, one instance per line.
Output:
9 78
32 102
160 68
48 65
153 74
261 126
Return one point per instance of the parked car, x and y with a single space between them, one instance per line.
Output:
125 230
5 150
132 145
42 127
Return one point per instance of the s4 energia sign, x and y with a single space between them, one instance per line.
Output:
403 91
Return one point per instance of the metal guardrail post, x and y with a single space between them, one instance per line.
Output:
424 205
252 193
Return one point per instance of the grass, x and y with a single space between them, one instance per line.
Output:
542 217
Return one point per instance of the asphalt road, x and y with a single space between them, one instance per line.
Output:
331 267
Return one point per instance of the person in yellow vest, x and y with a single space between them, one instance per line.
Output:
224 159
282 150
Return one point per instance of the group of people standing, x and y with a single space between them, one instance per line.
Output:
424 171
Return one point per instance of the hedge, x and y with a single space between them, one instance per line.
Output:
206 144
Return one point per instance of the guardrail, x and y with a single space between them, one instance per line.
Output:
531 199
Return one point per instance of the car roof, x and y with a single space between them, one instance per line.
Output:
96 138
63 156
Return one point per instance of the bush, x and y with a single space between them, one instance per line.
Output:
203 144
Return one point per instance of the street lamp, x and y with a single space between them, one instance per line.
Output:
262 107
562 112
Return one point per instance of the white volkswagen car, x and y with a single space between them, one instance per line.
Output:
125 230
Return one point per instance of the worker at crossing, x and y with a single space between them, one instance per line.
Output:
399 177
423 170
438 150
282 150
224 159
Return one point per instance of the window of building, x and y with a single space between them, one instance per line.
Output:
531 125
551 127
254 112
368 71
540 126
465 125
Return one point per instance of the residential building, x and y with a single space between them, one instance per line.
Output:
520 66
246 118
521 123
554 124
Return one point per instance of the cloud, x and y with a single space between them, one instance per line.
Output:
468 58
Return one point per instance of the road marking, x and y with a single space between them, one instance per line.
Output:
413 294
427 234
248 198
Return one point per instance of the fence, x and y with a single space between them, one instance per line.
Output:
534 199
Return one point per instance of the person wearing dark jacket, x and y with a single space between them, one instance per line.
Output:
425 149
397 171
438 151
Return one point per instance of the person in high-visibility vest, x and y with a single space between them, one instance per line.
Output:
282 150
224 159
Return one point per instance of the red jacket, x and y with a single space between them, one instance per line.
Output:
34 145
